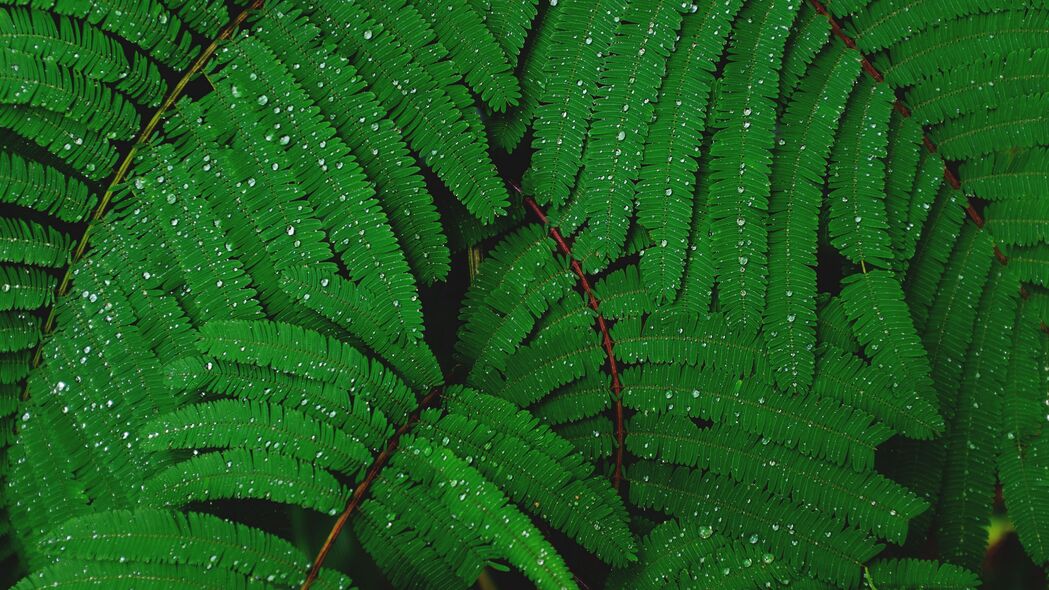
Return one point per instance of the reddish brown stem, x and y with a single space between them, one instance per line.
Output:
361 490
602 327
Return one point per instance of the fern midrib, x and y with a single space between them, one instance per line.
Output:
121 173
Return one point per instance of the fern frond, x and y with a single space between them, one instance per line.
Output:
509 23
68 140
979 86
149 535
541 367
25 288
283 346
150 27
804 538
832 325
874 303
941 230
798 167
347 305
245 474
903 165
816 427
149 576
518 283
535 469
509 128
883 24
509 531
808 38
910 573
936 49
321 400
32 243
950 327
238 424
666 182
28 183
741 158
864 500
697 283
858 225
1018 123
474 50
928 185
1031 264
377 145
1006 175
842 376
1018 222
703 341
975 434
581 399
82 47
430 119
18 331
47 86
631 76
683 554
335 187
1024 456
582 33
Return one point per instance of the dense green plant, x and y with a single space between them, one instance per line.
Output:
768 309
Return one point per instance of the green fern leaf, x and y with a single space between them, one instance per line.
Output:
799 164
858 225
581 34
741 158
804 538
915 573
629 83
146 535
874 303
666 182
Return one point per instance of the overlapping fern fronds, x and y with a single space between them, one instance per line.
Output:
769 311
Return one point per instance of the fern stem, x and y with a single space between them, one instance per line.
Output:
121 173
474 255
602 327
361 490
948 174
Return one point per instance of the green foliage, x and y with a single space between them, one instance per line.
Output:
785 302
